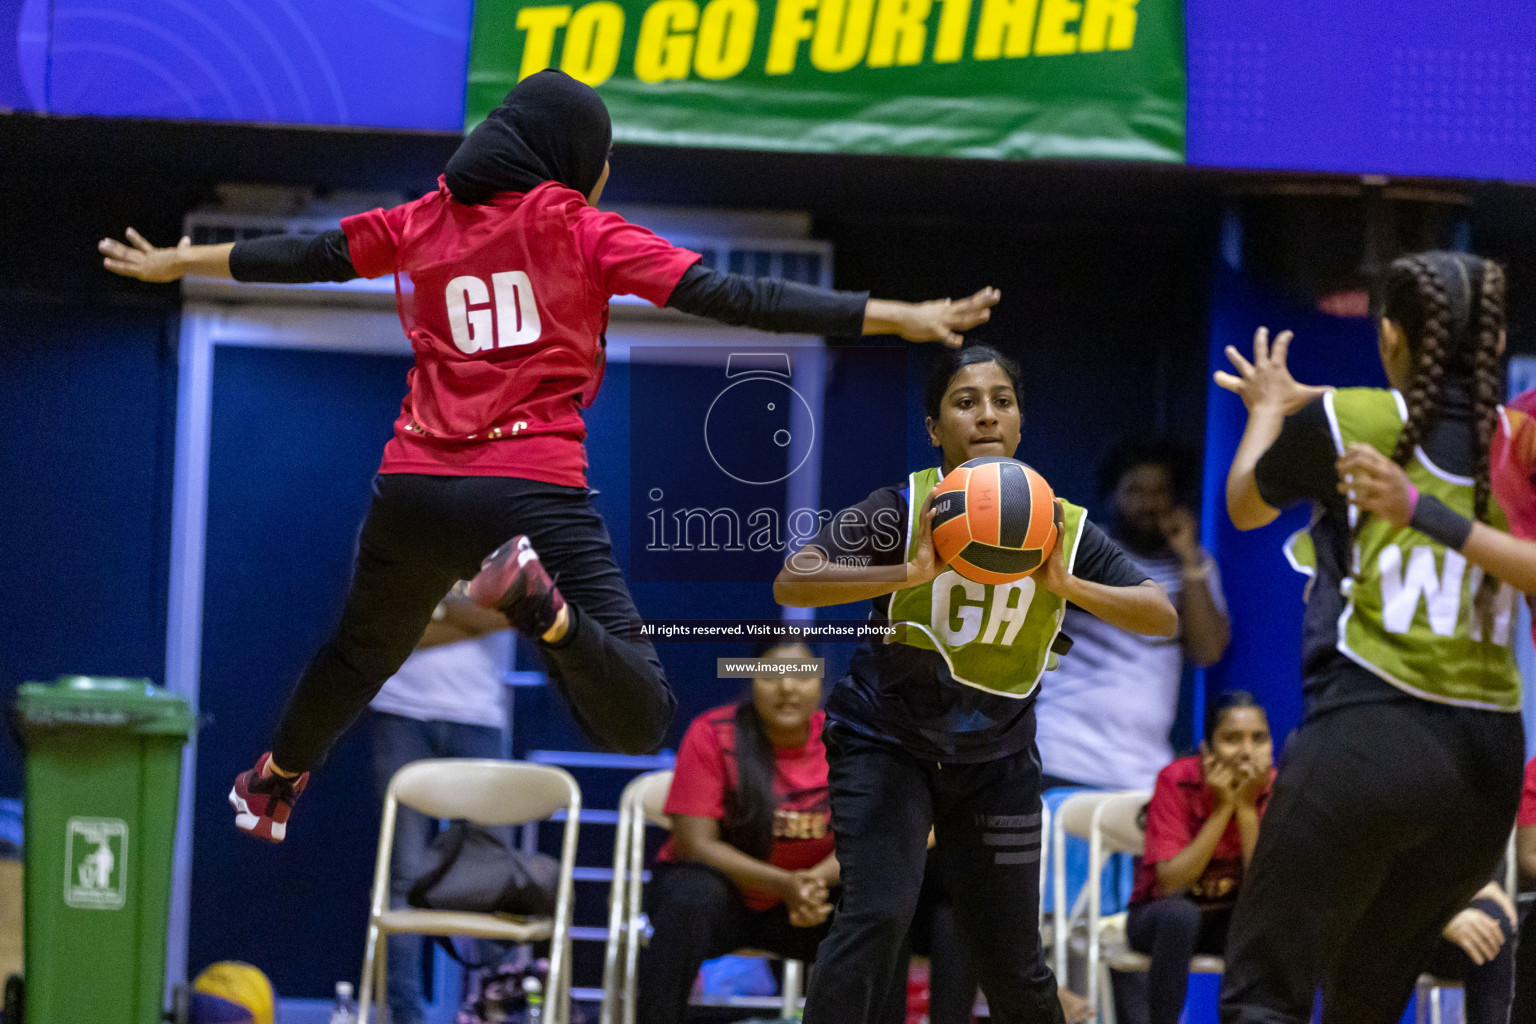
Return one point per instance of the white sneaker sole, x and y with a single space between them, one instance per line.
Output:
245 821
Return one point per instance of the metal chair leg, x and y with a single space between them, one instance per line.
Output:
1106 994
365 980
381 994
793 986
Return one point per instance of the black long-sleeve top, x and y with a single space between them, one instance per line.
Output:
762 303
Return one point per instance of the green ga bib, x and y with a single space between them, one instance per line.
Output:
1409 603
995 637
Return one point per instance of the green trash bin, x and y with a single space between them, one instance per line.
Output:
103 779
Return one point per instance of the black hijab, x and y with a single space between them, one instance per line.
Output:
549 128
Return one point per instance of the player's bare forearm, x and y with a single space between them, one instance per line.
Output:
1245 505
811 579
839 584
1509 558
1143 609
207 260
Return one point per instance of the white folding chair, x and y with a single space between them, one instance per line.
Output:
1073 815
1427 1004
489 793
1111 824
640 804
1119 830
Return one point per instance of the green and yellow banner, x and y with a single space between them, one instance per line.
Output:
998 79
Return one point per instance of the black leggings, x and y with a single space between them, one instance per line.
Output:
425 533
1386 818
1170 931
987 820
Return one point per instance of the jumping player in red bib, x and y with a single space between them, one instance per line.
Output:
503 275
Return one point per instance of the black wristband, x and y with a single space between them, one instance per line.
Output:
1440 523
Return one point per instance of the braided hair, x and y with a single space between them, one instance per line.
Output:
1450 307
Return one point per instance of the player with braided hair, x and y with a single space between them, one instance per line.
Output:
1381 487
1396 795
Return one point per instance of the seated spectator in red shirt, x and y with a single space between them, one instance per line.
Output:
1202 824
750 861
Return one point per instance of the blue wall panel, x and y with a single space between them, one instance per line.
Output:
1408 87
374 63
296 438
85 504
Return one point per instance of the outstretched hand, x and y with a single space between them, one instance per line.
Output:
1266 383
141 260
939 320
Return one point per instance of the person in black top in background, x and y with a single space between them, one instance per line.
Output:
911 748
1391 807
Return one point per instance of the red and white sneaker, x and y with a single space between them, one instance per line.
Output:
513 581
262 803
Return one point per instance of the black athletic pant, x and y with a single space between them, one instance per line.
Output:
425 533
1386 818
699 914
936 935
1170 931
987 820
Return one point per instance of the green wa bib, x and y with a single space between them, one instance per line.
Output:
1409 604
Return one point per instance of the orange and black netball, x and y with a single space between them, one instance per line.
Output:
994 520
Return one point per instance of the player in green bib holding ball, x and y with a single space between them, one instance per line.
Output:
1396 796
935 728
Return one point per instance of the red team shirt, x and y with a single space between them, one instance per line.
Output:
802 819
505 304
1180 805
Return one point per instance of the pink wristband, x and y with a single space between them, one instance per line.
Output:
1413 499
